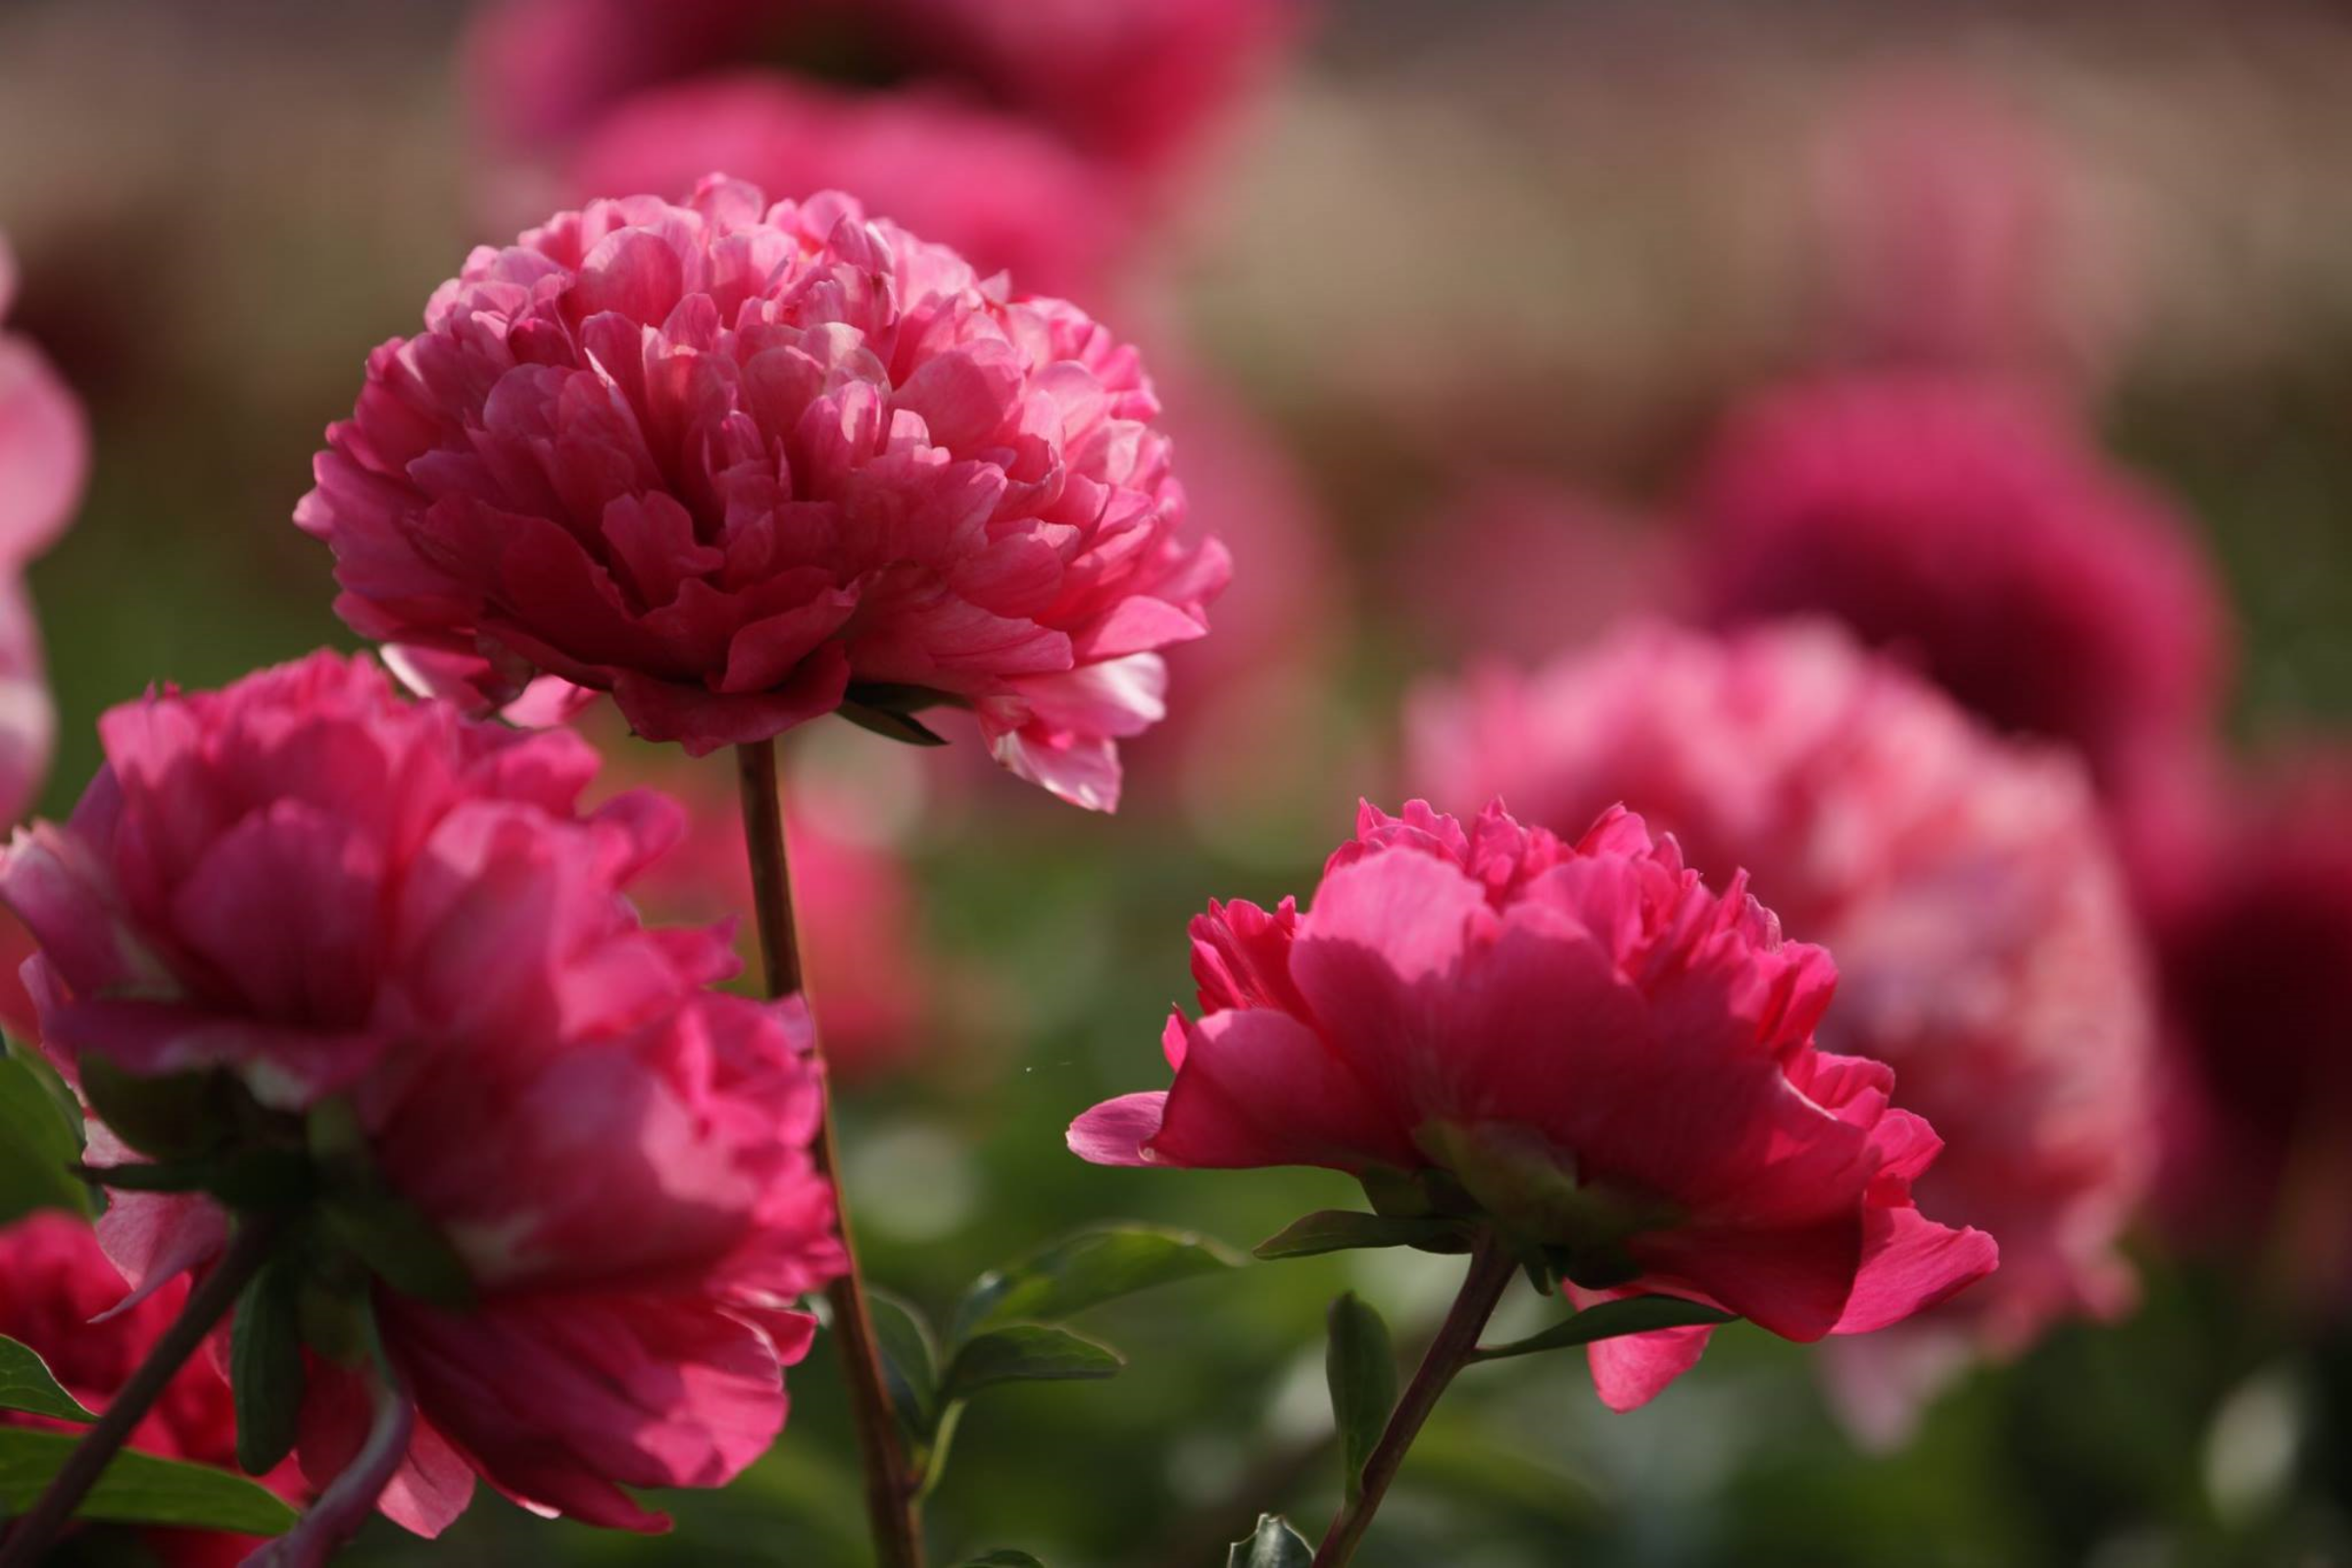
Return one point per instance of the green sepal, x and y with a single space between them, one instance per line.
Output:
1337 1230
265 1370
397 1245
177 1117
40 1146
1609 1320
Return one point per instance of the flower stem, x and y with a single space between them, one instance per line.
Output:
1490 1270
890 1488
255 1240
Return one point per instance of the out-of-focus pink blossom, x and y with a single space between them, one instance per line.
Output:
1609 1058
1957 233
1139 84
1520 565
1985 946
738 464
59 1293
2255 948
1970 530
44 460
997 190
331 891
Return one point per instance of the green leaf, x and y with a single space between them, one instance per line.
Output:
1003 1558
1272 1545
276 1179
180 1116
911 1361
1086 1270
61 1094
266 1368
891 725
139 1489
26 1383
399 1246
1026 1353
1336 1229
39 1147
1360 1365
1636 1314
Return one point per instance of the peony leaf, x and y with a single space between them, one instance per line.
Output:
1026 1353
26 1383
911 1360
266 1367
1360 1365
180 1116
399 1246
39 1147
1337 1230
1272 1545
1084 1270
61 1094
883 721
1609 1320
139 1489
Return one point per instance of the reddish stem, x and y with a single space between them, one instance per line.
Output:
890 1488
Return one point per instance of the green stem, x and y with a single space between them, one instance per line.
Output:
890 1489
255 1240
1490 1271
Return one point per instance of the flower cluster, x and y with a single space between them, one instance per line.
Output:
1611 1060
388 935
1985 948
739 465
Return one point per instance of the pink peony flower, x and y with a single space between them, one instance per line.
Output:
1607 1057
998 191
1139 84
2255 947
44 460
739 463
1965 528
376 912
1985 946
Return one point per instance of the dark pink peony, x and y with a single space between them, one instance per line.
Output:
998 191
377 911
1985 946
738 464
1606 1055
1969 529
2254 937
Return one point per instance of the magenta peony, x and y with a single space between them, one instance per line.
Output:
998 191
1985 946
738 464
1967 528
1605 1056
60 1297
393 928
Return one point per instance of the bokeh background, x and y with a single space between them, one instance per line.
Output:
1449 303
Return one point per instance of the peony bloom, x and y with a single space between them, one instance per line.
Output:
1607 1057
738 464
1138 85
1985 946
2255 946
998 191
388 923
1967 529
44 458
59 1293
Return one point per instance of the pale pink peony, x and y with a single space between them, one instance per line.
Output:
1138 85
347 899
737 464
44 461
1970 529
1606 1055
1985 947
998 191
